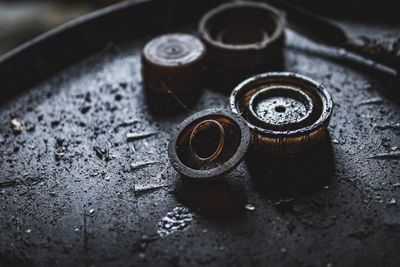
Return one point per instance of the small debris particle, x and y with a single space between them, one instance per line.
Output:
142 256
394 148
118 97
60 141
394 126
178 219
103 152
76 229
128 123
85 109
59 155
204 231
396 185
91 211
16 126
8 183
160 175
123 84
392 202
283 250
29 126
371 101
394 155
135 136
61 148
87 97
1 139
54 124
148 188
107 178
249 207
143 164
28 231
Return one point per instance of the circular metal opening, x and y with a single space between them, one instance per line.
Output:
207 140
239 34
281 107
242 25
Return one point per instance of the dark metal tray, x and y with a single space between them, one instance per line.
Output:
62 204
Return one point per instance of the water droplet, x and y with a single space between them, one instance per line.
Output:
176 220
249 207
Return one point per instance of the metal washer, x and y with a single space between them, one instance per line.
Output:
237 142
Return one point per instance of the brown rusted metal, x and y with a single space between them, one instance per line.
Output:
173 63
243 35
287 113
199 136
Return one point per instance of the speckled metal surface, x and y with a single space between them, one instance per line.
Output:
65 202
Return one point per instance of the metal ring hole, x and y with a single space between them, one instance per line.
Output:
239 34
280 109
242 26
207 141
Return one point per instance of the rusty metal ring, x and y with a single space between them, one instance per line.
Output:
237 135
200 127
243 35
273 136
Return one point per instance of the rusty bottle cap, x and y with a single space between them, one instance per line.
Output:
243 35
209 144
287 113
173 62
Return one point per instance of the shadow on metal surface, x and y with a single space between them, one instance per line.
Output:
293 176
220 200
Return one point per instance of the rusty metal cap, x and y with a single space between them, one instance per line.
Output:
209 144
287 113
243 34
173 62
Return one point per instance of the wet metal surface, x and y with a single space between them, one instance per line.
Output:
280 110
61 203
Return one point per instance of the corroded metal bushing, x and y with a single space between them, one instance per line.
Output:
287 113
243 35
173 63
209 144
